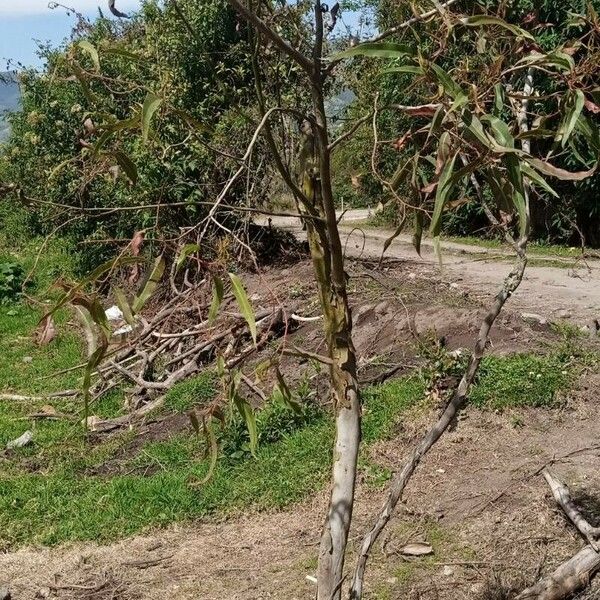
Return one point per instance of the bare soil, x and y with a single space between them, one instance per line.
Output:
478 497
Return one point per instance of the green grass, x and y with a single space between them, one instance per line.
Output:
521 380
63 503
191 392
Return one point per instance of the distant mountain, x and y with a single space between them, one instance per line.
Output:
10 96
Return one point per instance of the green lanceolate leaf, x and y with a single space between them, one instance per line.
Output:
217 298
153 280
376 50
481 20
123 304
150 106
443 190
443 78
518 197
442 193
405 69
536 179
249 417
283 390
127 165
91 51
244 304
392 237
574 102
185 252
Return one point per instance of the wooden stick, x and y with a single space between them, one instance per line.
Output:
571 576
562 495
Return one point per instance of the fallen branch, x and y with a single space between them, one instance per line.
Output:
576 573
21 398
562 495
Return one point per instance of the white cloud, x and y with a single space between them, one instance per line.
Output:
20 8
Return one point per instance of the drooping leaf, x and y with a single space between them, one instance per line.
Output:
500 130
212 446
46 330
481 20
150 286
443 190
244 304
450 86
574 102
123 304
518 197
185 252
217 298
249 417
376 50
150 106
389 240
91 51
498 99
558 60
284 392
536 179
127 165
549 169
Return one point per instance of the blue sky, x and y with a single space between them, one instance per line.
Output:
24 21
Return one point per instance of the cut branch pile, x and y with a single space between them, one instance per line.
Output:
170 347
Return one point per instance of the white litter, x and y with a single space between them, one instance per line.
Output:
114 313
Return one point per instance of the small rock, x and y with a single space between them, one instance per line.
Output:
442 471
411 276
21 441
311 578
43 593
564 314
454 286
448 571
27 359
534 318
392 580
5 593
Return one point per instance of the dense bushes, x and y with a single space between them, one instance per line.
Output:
76 144
554 25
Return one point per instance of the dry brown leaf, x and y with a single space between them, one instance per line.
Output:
136 245
592 107
45 331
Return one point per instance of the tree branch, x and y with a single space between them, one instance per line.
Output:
304 62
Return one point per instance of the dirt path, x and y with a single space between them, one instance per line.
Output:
572 291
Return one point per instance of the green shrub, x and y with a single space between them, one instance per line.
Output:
12 277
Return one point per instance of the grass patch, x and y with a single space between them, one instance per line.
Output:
292 462
521 380
191 392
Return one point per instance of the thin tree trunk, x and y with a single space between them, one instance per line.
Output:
511 283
